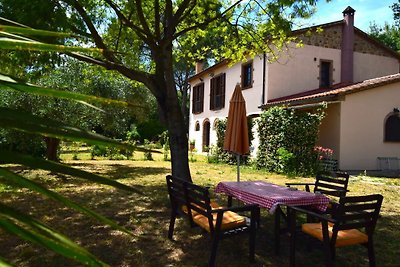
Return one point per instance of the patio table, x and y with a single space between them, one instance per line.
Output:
272 197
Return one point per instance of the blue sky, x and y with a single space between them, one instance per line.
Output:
366 11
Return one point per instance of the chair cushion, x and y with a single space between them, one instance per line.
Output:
230 220
344 237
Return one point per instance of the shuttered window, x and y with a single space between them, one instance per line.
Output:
217 92
198 99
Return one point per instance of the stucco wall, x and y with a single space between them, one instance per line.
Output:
329 131
362 123
251 95
298 70
367 66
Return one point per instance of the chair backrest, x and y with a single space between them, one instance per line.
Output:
357 212
194 198
332 185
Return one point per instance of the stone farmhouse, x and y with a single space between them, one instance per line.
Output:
356 76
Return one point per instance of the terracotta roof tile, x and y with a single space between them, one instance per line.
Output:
317 95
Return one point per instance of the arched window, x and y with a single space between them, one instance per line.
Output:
197 126
392 126
206 135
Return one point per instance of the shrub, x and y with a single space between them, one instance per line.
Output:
147 155
287 141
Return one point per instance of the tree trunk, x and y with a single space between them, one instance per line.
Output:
52 148
171 111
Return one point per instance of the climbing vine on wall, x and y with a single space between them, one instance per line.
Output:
287 140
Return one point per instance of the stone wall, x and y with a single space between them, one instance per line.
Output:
331 37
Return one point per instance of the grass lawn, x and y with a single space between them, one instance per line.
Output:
147 216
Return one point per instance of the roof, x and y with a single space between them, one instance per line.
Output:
303 30
332 94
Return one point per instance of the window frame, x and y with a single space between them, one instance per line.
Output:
244 74
330 73
391 137
217 91
198 98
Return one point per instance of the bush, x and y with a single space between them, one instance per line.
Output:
22 142
287 141
147 155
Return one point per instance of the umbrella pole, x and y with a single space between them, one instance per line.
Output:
238 167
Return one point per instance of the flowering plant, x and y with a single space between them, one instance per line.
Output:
323 153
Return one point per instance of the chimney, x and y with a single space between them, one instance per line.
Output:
199 66
346 75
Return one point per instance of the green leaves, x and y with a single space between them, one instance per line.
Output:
9 157
14 44
26 183
8 82
34 231
33 32
27 122
287 140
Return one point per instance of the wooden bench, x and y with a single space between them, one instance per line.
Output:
193 202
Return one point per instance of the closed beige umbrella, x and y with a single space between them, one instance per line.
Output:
236 138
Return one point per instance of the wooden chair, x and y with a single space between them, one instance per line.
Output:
342 227
334 186
193 202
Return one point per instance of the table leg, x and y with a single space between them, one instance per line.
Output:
277 229
229 201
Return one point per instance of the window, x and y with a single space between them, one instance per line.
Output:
217 94
392 127
198 99
197 126
325 74
206 135
247 75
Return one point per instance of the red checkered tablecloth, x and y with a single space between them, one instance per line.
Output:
270 196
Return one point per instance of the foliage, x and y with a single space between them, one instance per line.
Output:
137 41
142 41
147 154
25 226
12 140
164 138
287 141
388 35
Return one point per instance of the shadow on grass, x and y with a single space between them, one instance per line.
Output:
147 217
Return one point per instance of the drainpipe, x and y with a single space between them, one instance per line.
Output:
347 54
263 84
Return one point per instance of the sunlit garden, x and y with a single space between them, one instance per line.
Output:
95 107
146 216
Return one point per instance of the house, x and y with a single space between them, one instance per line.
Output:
341 65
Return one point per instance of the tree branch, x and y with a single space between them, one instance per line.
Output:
93 31
208 21
157 19
142 19
126 21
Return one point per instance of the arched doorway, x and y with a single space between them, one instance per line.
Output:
206 135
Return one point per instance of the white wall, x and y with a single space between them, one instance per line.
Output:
362 127
252 96
368 66
298 71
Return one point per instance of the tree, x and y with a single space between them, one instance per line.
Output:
78 77
388 34
138 38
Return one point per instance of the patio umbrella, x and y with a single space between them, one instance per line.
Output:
236 138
